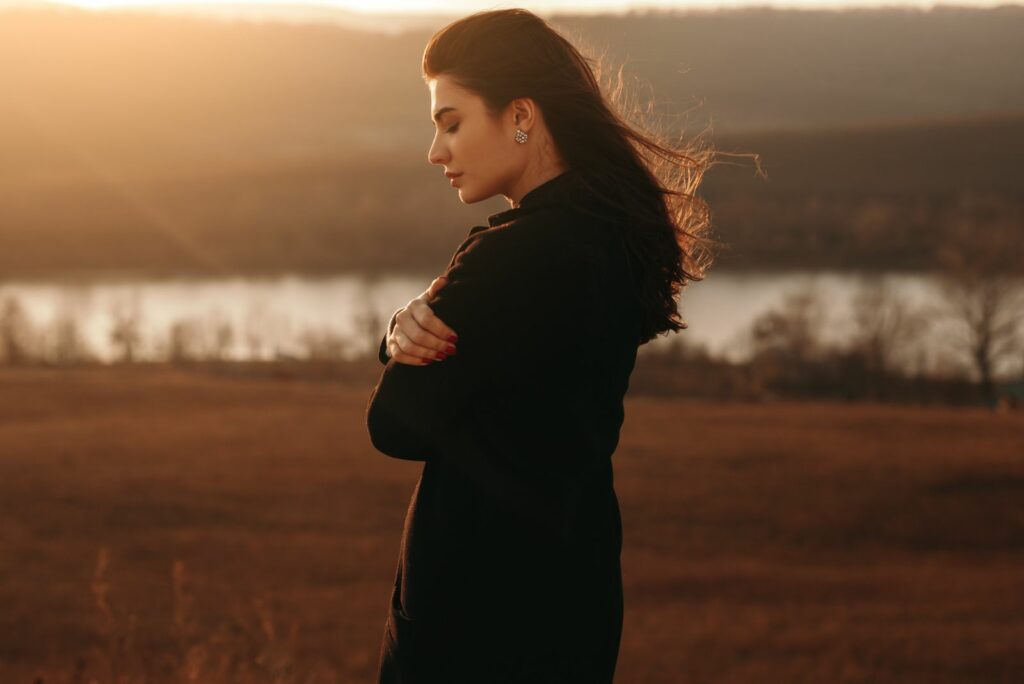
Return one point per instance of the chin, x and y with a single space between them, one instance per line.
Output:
469 197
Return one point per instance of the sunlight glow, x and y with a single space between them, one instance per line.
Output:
455 7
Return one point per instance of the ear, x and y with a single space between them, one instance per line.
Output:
523 113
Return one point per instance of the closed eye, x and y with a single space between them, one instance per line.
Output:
452 128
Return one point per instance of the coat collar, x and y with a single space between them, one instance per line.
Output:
548 192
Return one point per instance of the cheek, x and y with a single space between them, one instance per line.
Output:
482 143
493 157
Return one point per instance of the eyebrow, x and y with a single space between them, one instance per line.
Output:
441 112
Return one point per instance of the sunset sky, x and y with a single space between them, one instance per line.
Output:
460 6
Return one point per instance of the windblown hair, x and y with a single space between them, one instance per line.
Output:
501 55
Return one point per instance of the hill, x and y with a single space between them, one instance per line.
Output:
301 147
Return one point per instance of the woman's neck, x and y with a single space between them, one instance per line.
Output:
530 180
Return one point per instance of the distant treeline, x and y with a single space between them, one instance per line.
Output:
981 324
865 199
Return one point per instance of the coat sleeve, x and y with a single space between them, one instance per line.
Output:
382 353
513 297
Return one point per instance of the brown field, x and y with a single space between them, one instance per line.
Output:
249 523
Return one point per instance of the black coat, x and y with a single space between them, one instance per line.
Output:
508 568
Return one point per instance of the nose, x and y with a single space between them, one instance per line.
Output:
436 155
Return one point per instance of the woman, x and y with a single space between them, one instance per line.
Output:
509 561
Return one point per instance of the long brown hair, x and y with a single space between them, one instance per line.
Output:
501 55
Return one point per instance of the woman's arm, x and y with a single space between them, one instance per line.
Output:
502 415
510 292
382 352
507 416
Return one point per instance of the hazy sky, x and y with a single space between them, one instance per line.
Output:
463 6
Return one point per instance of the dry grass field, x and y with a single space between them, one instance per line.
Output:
186 526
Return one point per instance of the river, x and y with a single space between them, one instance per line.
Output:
283 316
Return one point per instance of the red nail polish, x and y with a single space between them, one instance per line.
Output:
453 338
441 356
450 350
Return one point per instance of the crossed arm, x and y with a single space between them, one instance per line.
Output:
510 292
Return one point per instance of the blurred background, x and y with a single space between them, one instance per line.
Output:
208 213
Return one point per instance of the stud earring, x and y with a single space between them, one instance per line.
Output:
521 136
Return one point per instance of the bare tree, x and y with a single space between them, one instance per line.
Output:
14 332
982 278
253 329
787 341
223 339
125 328
183 341
323 344
885 327
264 331
68 344
675 349
219 336
369 324
795 328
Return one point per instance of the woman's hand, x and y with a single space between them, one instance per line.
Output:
419 337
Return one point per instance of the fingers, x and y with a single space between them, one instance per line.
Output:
435 286
420 337
411 343
438 335
395 352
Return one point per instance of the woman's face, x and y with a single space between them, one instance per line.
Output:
469 142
